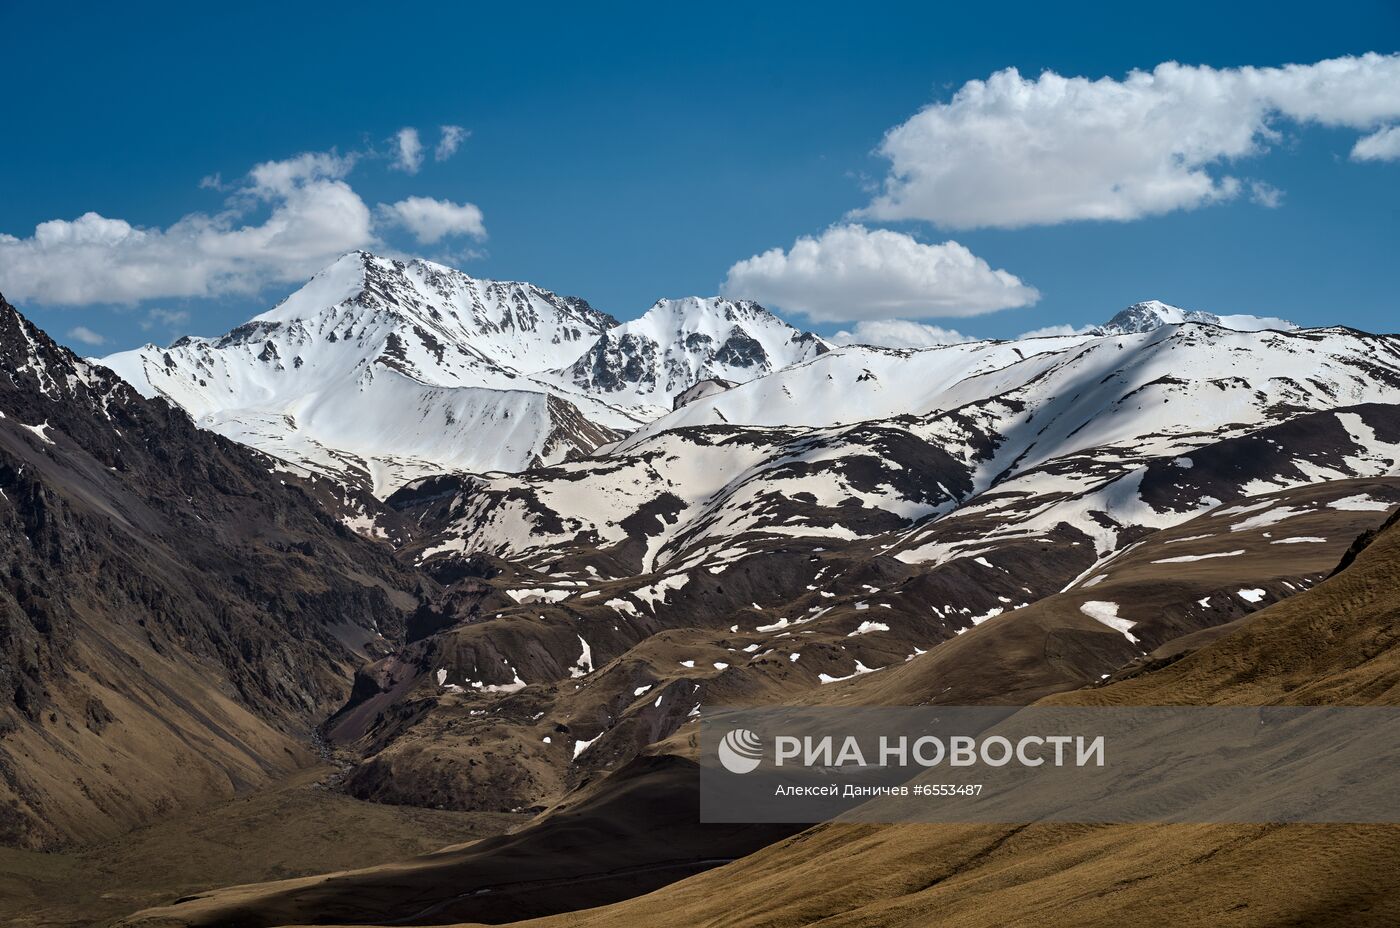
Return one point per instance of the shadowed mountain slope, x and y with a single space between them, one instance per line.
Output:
174 619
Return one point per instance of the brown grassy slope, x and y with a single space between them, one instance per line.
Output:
636 831
285 831
1333 644
1052 646
1162 597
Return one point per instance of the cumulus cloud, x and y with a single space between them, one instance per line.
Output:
408 151
1381 145
853 273
431 220
1011 151
1266 195
451 139
272 179
93 259
81 333
306 215
165 318
898 333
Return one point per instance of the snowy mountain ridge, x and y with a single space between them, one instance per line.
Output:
1089 439
676 344
380 371
1151 314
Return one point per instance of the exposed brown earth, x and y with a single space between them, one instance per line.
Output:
824 873
1335 644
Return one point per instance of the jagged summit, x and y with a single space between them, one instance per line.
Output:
33 365
1151 314
379 370
679 343
524 325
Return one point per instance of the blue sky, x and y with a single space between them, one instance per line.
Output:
642 151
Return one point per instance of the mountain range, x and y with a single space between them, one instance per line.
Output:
379 371
486 551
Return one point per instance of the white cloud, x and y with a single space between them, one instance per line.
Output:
898 333
1265 195
1011 152
1381 145
81 333
431 220
853 273
451 139
309 216
274 179
166 318
408 151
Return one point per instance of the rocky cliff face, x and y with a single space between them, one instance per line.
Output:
174 618
648 362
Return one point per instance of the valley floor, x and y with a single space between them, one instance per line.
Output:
293 828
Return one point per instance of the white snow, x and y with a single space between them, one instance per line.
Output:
1186 558
1359 503
514 686
1107 613
581 745
1252 595
539 595
584 665
41 431
1269 517
860 669
656 593
622 605
989 614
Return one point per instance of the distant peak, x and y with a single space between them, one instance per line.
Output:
694 310
1148 315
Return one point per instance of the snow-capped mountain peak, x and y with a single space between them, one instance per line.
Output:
525 326
679 343
379 370
1152 314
